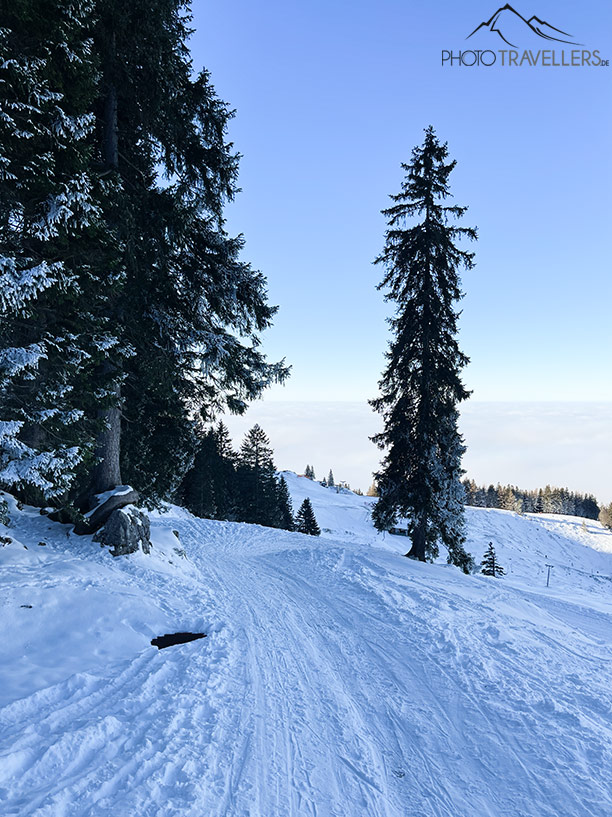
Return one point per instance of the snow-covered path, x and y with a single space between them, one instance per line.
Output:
337 680
374 693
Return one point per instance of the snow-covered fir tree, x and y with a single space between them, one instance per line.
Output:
129 317
192 310
53 330
305 519
330 479
489 565
420 476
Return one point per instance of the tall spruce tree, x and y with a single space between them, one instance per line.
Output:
54 333
198 490
191 309
209 488
258 489
129 318
420 476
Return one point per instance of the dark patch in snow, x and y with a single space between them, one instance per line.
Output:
170 639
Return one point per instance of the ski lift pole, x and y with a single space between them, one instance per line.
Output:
548 575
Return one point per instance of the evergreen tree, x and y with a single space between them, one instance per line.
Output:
190 310
491 497
421 386
53 330
209 487
285 508
197 491
128 316
489 564
539 508
306 521
225 482
330 479
507 499
258 488
552 500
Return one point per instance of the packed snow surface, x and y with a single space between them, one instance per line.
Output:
337 679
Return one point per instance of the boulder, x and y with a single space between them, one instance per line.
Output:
94 519
126 531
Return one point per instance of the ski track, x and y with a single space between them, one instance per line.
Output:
335 681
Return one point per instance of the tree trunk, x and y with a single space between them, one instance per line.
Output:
417 551
107 473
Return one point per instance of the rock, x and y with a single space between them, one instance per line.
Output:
95 519
171 639
65 516
126 531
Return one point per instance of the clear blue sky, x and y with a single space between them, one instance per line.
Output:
332 96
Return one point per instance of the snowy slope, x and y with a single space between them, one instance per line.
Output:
338 679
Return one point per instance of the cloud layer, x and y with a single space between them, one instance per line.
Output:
526 444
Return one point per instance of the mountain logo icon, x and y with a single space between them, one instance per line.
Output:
512 27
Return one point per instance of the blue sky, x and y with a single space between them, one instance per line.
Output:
331 97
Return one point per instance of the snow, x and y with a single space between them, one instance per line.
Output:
18 359
18 287
119 490
19 463
338 679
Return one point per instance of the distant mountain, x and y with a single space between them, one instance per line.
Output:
515 30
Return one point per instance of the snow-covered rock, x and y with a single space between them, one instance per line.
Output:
126 531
